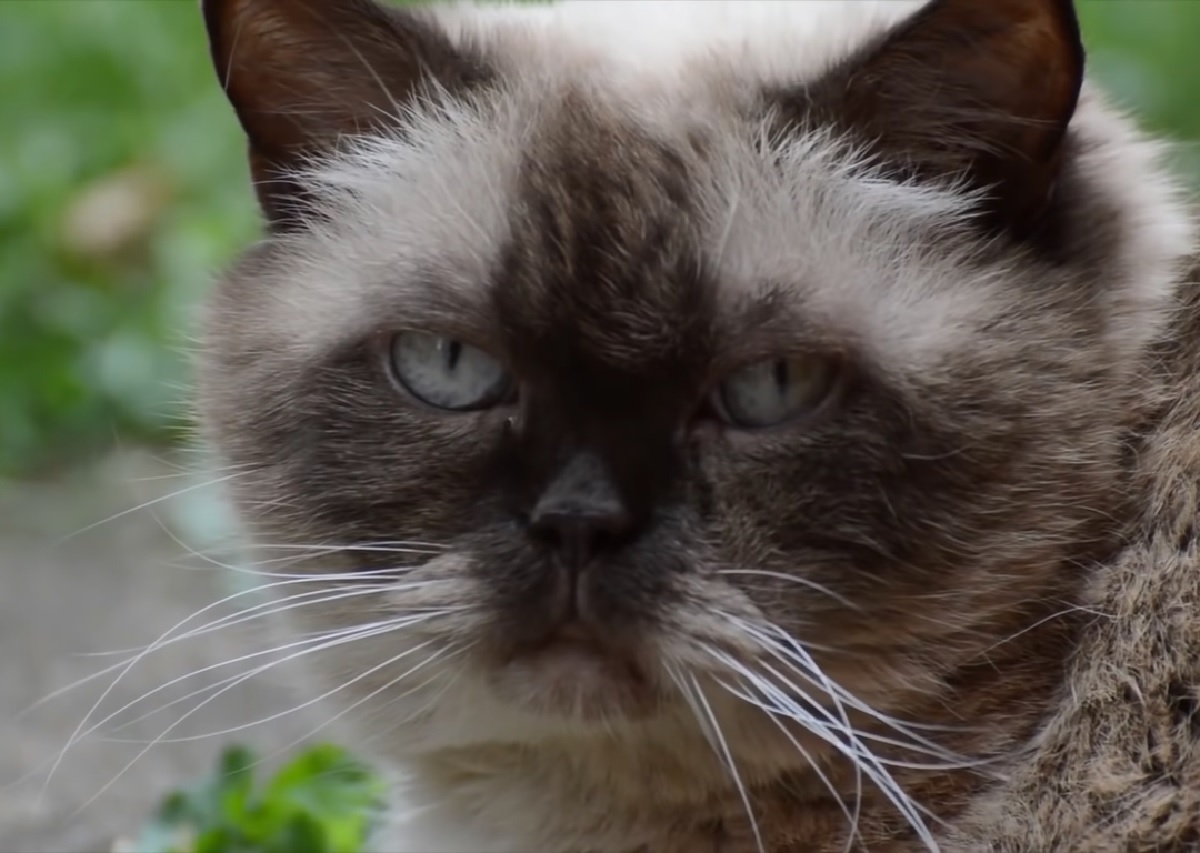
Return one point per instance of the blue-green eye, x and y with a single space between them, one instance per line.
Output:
448 373
774 391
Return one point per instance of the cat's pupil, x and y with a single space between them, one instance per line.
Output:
453 353
781 375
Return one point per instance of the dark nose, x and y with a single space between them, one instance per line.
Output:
581 514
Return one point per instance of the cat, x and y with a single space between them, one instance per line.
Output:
722 423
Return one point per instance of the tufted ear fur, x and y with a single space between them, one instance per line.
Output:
303 74
975 89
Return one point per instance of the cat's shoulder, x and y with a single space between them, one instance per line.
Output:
1117 765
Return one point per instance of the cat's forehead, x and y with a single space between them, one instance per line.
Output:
593 177
575 213
513 216
602 259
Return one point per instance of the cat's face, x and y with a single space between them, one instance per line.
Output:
684 383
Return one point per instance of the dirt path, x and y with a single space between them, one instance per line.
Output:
118 586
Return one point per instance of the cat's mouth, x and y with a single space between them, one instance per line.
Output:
578 673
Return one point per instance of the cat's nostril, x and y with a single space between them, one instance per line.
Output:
581 533
581 513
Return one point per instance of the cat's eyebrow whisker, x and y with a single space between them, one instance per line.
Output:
246 677
721 745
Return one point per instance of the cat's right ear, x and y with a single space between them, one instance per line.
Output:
303 75
974 90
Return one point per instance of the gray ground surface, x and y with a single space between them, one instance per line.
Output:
117 586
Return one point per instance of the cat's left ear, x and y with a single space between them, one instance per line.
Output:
975 89
304 74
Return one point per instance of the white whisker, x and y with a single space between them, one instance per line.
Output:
791 652
823 727
796 579
125 667
357 631
249 675
146 504
271 718
446 654
723 752
852 818
239 617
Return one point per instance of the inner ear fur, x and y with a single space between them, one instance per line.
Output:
304 74
974 90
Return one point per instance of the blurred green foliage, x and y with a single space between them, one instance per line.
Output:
322 801
123 188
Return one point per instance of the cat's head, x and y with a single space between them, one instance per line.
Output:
699 348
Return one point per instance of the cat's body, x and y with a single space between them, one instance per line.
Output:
769 382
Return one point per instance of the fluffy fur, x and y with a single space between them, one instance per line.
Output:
955 609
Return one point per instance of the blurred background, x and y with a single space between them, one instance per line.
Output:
122 190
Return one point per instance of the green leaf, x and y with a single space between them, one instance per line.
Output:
322 801
235 784
301 834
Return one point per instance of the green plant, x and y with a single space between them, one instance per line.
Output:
322 801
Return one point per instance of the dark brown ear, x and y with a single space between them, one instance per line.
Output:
980 89
304 74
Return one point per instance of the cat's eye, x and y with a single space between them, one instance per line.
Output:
774 391
447 373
